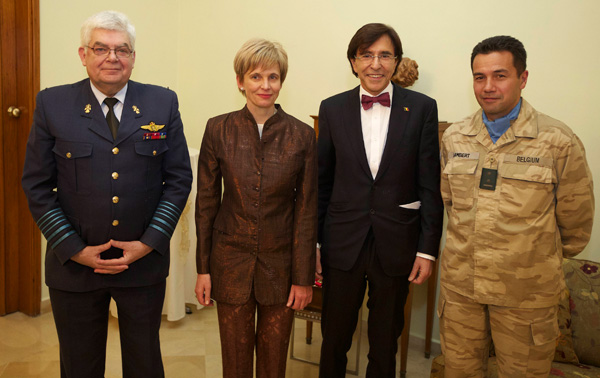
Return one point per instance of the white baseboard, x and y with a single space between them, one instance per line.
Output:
45 306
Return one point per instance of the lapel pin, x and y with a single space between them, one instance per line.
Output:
152 127
136 109
406 109
88 108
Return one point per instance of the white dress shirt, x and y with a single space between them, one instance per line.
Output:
118 108
375 123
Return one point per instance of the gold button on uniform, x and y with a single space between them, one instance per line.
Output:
115 199
115 223
115 175
154 152
69 155
115 150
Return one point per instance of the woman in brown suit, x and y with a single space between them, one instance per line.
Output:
256 241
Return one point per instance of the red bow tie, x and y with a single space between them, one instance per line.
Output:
368 101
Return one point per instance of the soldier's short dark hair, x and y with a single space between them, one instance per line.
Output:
369 34
503 43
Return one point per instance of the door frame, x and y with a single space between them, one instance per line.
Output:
20 249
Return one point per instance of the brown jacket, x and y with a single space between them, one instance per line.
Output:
261 233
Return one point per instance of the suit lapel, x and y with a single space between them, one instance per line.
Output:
91 110
131 112
398 123
353 126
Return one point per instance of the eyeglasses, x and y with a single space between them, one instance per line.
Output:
120 52
369 58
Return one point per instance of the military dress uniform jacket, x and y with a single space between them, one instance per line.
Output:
84 188
505 246
261 234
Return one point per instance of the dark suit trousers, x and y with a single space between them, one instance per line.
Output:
82 325
343 293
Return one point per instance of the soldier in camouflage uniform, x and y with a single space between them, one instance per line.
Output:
519 197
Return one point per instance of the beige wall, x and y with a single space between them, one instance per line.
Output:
189 45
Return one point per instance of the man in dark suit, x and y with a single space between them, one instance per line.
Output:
380 210
107 175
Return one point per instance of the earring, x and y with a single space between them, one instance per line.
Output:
242 89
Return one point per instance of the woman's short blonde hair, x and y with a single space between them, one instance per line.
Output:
260 53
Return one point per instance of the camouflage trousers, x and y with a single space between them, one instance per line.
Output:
524 338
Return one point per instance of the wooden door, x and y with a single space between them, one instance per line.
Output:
20 256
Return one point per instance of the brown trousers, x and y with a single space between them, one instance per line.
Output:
239 335
524 338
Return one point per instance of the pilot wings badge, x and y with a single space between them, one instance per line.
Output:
152 127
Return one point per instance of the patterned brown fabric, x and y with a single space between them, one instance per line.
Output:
260 233
239 335
583 280
564 345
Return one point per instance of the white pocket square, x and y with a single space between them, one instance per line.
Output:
413 205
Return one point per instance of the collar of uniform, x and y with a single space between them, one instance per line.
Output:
475 126
120 95
524 126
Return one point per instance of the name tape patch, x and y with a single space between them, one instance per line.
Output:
522 159
463 155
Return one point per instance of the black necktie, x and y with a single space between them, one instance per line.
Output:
111 118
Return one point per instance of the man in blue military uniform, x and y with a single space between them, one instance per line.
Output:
107 175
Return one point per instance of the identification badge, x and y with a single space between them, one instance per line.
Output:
488 179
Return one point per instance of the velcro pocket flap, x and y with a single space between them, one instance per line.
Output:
461 167
526 172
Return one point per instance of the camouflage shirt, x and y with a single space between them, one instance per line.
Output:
504 244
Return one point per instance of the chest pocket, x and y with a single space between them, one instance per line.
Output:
526 189
74 165
151 148
151 153
526 172
463 181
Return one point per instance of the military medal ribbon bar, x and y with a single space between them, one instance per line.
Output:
148 136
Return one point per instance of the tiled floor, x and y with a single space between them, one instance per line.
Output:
190 347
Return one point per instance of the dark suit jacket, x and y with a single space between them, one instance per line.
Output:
351 201
262 232
79 182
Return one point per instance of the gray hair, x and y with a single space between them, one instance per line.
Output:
108 20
